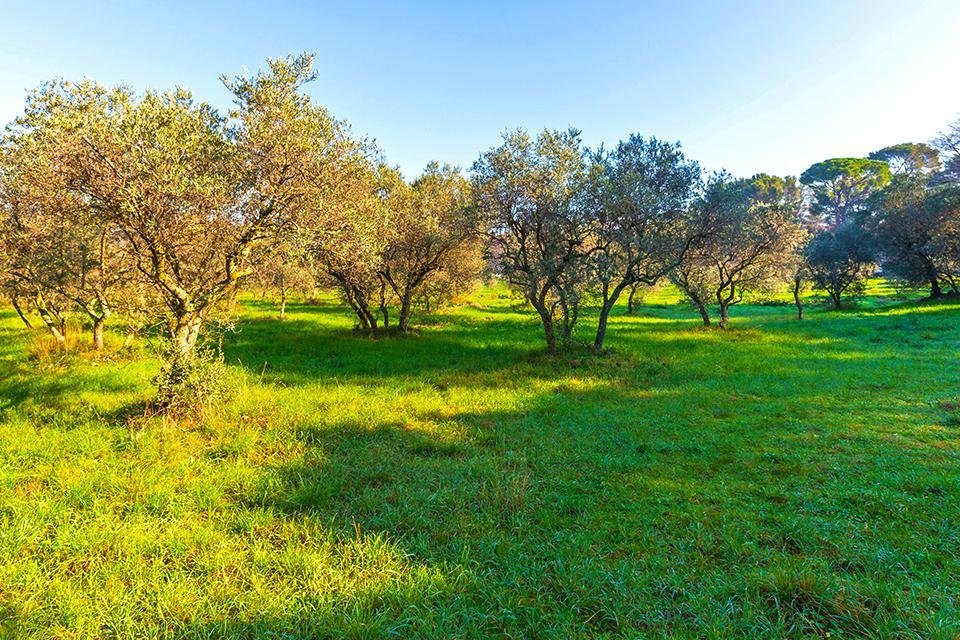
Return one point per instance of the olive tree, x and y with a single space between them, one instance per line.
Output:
432 219
840 260
914 226
529 193
752 241
639 193
196 197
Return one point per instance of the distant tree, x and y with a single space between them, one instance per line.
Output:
754 237
841 187
65 249
430 221
912 158
289 268
640 192
22 285
21 263
460 273
638 294
529 195
349 240
840 260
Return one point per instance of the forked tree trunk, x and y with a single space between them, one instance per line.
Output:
724 314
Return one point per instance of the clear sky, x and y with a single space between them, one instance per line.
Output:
747 86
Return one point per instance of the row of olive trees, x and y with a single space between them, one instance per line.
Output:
568 225
413 244
161 207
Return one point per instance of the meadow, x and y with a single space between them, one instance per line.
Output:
780 479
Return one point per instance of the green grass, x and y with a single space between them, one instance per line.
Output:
778 480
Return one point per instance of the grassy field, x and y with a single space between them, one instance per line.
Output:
778 480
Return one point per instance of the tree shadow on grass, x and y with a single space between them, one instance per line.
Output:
300 350
596 511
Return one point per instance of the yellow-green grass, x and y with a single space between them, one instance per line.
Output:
781 479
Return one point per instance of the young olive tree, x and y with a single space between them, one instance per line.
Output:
752 244
529 194
638 196
432 220
288 268
840 260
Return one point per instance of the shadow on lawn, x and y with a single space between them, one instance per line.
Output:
301 351
607 508
579 508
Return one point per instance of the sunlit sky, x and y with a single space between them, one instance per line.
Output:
747 86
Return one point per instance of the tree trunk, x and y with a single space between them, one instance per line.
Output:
797 285
384 309
610 299
704 314
935 290
633 292
98 324
405 306
546 319
602 325
16 306
179 360
283 303
724 314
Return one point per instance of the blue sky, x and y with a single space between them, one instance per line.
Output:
747 86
